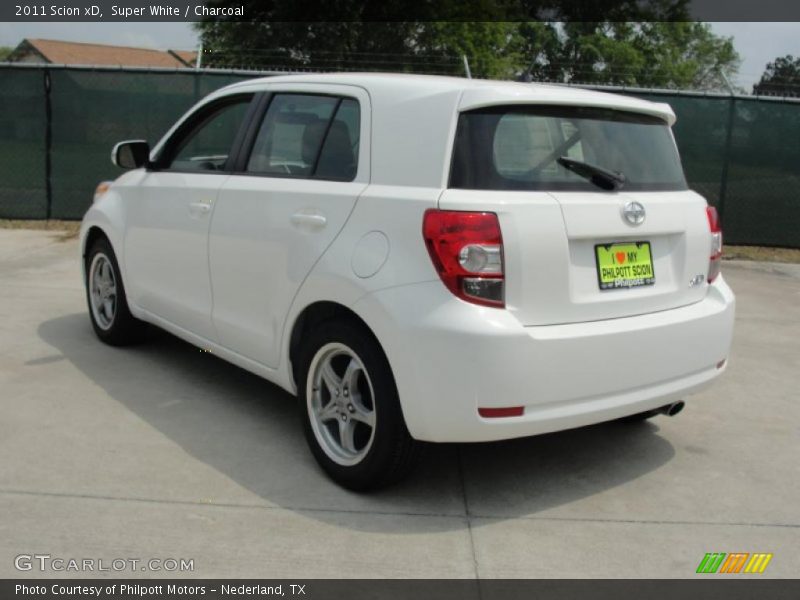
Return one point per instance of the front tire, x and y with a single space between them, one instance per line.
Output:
350 408
111 318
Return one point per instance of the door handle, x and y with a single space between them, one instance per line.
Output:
199 208
309 220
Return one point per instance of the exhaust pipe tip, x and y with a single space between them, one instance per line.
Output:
672 409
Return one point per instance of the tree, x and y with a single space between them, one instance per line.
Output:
641 43
491 47
4 52
645 54
781 78
355 35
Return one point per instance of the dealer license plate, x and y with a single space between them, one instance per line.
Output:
624 265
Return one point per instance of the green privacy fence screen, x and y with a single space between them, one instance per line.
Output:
743 155
57 127
58 124
23 127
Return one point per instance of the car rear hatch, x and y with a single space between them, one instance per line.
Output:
576 250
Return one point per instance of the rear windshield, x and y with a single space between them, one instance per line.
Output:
517 148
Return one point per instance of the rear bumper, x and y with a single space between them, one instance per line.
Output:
449 358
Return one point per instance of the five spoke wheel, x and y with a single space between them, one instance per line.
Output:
341 404
102 291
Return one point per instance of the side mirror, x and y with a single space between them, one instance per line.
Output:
131 154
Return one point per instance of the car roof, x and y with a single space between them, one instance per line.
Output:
474 93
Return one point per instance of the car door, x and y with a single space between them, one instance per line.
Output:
275 218
166 243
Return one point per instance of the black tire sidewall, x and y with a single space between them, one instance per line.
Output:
124 328
390 430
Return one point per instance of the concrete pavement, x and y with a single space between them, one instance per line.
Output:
164 451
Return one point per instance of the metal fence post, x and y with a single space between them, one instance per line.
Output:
48 144
726 157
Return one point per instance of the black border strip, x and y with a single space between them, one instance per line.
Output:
311 11
708 587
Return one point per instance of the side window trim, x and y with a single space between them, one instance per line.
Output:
198 119
328 126
247 136
244 130
240 167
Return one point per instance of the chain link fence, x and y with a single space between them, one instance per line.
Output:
58 124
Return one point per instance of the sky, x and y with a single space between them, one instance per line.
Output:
757 43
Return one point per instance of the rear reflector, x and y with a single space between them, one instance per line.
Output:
496 413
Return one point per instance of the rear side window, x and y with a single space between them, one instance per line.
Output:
307 136
338 158
518 148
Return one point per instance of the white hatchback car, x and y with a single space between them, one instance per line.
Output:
420 258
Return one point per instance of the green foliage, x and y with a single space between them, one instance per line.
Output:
781 78
492 47
636 45
645 54
4 52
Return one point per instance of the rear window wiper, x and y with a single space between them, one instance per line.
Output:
602 178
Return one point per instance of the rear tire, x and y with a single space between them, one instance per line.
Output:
350 408
111 318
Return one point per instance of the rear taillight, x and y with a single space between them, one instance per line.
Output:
715 262
467 251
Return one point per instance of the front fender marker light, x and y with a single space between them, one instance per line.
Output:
100 190
497 413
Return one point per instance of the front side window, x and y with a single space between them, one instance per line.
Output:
545 147
205 146
308 136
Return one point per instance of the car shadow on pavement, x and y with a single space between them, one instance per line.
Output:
249 431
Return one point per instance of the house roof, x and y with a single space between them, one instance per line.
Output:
78 53
187 56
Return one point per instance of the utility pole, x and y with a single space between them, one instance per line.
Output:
199 62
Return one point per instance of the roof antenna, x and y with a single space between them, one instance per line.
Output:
466 66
